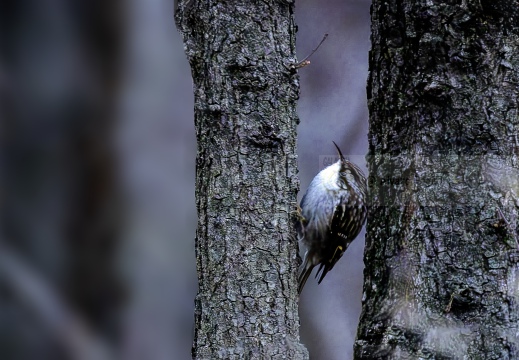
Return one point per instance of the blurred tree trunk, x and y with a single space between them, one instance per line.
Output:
59 196
441 279
246 177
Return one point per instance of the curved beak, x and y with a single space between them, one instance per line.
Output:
339 150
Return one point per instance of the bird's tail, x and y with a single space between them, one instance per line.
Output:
306 270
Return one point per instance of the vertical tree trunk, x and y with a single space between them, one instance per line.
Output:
59 193
246 177
441 256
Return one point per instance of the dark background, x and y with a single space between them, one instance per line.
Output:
97 155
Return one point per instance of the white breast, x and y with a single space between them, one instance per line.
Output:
327 178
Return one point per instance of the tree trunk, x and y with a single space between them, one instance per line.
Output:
59 207
246 177
441 279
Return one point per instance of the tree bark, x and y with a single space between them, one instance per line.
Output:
441 279
246 177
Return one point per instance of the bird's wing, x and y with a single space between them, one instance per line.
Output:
343 229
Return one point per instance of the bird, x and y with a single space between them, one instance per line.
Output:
332 213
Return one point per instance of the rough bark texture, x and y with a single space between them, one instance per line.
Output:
441 276
246 177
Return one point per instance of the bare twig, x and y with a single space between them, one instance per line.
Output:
305 61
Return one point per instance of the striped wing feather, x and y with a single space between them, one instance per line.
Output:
343 230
